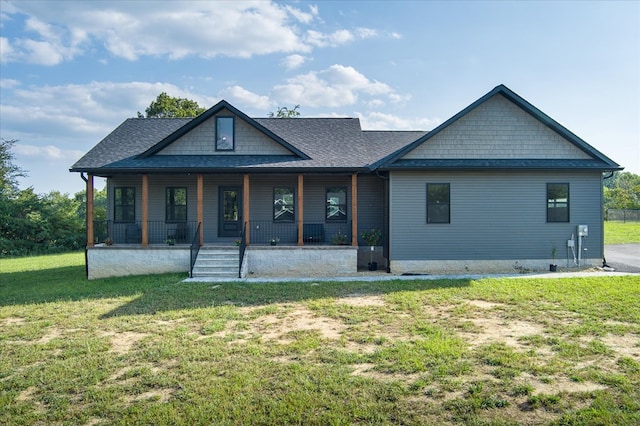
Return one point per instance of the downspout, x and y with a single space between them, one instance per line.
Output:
386 250
604 177
86 223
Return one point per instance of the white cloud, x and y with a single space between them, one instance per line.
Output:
71 114
8 83
6 50
48 152
382 121
57 31
241 96
292 62
301 16
333 87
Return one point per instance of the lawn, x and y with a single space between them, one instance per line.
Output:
154 350
621 232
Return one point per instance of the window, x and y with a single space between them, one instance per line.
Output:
124 206
224 134
336 204
283 205
557 202
438 208
176 205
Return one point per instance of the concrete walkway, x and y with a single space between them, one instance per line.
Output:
381 276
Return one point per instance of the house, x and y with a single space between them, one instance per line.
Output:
498 187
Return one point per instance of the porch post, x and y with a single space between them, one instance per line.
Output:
245 206
354 210
145 211
90 211
200 209
300 206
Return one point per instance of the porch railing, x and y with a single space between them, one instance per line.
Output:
194 250
265 232
242 248
159 232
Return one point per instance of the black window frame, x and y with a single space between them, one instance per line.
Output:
279 207
171 207
119 208
431 216
219 135
343 217
555 204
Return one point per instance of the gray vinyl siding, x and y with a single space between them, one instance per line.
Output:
371 205
494 215
497 129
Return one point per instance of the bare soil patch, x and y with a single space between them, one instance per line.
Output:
122 343
361 300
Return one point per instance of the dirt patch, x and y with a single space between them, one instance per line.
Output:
158 395
273 327
122 343
483 304
53 333
627 344
14 321
361 300
28 395
559 384
494 329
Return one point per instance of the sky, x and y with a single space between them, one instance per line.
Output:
72 71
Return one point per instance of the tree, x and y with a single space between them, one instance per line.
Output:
166 106
284 112
622 191
9 172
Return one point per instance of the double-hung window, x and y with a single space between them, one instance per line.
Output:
284 207
124 205
557 202
438 203
336 204
176 205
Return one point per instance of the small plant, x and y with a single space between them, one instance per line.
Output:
371 237
274 241
171 241
237 242
554 250
108 241
340 238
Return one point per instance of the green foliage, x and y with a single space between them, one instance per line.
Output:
371 237
166 106
36 224
284 112
622 191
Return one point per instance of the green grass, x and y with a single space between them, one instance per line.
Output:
154 350
621 232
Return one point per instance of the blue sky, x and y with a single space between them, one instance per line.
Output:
72 71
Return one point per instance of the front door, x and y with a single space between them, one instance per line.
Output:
230 211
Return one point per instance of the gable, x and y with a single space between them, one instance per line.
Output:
497 129
201 140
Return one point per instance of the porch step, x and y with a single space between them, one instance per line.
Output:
219 263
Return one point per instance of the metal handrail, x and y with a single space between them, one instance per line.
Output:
242 248
194 250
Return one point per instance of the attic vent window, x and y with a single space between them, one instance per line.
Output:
224 134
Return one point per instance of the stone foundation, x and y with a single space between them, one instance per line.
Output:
301 261
114 261
507 266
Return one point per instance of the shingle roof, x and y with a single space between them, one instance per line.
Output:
133 136
316 144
